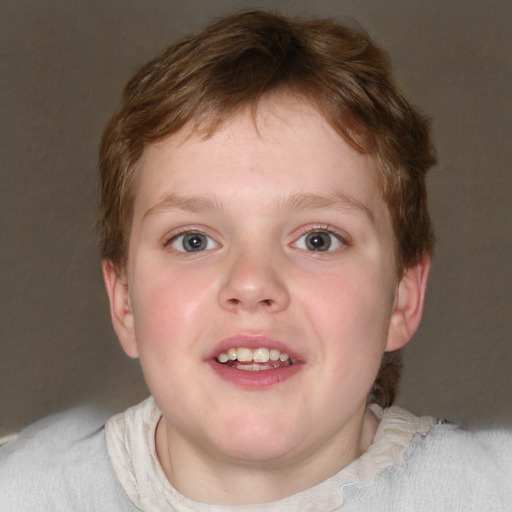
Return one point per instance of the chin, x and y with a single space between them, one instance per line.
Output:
257 438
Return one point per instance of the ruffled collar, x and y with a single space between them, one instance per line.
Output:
131 445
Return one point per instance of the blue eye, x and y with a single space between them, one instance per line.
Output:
192 242
319 241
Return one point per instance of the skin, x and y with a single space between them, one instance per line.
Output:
254 193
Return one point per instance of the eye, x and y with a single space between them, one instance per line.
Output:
192 242
319 241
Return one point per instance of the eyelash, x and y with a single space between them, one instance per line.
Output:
342 239
173 237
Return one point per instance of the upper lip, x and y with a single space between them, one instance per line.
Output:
252 341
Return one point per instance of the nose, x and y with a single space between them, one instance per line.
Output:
253 282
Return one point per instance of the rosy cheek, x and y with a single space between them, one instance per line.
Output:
167 305
343 302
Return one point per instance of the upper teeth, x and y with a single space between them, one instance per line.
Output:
247 355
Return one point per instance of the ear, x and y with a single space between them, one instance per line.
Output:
116 283
408 306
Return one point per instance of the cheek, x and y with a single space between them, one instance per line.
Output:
170 314
167 305
351 311
352 295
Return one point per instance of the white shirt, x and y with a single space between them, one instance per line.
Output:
131 446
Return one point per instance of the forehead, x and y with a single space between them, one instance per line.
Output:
286 147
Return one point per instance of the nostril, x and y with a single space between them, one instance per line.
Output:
237 302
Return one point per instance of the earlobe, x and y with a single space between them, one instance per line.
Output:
116 284
408 306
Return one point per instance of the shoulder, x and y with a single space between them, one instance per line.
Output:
60 463
456 469
482 457
442 467
466 450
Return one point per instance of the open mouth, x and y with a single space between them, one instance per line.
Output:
260 367
253 360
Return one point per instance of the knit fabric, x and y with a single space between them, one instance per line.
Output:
70 461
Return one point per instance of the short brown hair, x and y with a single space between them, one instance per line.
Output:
230 66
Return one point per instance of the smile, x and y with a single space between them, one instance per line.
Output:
254 361
258 359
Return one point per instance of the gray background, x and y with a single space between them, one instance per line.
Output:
63 64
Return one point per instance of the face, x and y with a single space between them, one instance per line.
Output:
260 290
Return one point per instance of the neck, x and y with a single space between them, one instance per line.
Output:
211 479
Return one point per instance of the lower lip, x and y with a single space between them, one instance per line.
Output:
255 379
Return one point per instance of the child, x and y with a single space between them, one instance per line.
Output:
266 246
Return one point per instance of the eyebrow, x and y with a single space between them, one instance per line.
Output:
192 204
301 201
337 201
